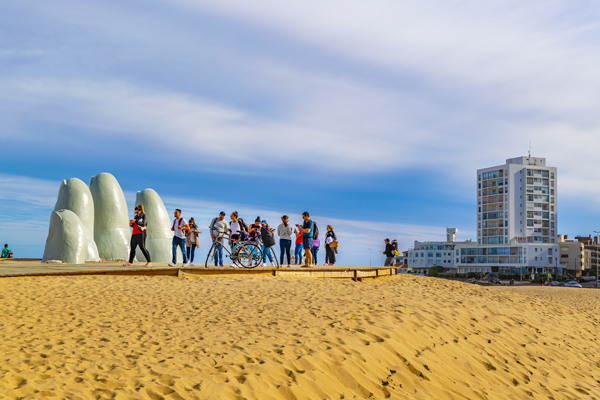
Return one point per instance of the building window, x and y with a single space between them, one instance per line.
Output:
429 254
550 251
552 175
438 254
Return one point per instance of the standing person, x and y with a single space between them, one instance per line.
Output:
254 232
191 240
330 251
138 235
6 252
237 228
218 228
389 253
298 249
180 226
284 231
268 241
307 237
316 243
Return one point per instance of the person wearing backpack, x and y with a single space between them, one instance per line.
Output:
180 226
6 252
330 246
308 231
284 231
389 253
268 241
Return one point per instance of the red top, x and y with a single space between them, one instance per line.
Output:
136 230
299 238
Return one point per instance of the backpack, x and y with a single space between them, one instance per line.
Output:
211 226
243 226
395 248
315 231
267 237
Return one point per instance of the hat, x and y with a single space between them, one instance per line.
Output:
222 213
264 221
387 240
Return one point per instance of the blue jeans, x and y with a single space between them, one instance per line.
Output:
314 252
219 252
298 253
266 253
285 245
179 242
190 252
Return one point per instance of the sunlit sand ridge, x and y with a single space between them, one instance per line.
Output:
282 338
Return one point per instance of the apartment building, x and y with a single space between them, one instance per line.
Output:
517 224
573 256
425 255
592 250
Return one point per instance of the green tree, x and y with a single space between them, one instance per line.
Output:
436 270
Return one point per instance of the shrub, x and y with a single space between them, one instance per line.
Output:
436 270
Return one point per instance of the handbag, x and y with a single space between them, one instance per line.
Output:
334 244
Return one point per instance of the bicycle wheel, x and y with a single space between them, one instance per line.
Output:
211 255
249 255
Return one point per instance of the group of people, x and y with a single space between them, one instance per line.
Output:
185 238
306 238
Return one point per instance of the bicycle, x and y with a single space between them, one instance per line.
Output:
244 254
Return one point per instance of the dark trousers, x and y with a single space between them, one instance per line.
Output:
285 246
329 255
138 239
190 252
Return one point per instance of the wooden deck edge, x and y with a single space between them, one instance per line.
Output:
356 274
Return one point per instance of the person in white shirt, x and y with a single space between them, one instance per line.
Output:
285 232
218 228
179 228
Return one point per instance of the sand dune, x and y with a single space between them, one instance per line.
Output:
227 337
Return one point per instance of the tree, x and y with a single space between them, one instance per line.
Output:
436 270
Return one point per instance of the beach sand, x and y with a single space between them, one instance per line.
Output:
261 337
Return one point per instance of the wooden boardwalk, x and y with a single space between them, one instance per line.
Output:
29 268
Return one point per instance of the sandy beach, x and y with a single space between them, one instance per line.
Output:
231 337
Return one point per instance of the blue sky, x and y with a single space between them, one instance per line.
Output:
374 117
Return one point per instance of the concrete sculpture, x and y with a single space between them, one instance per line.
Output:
111 220
75 195
159 235
67 238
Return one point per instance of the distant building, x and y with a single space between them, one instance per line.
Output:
517 223
573 256
425 255
592 249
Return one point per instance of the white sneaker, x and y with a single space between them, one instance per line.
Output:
272 264
186 265
191 264
264 264
172 265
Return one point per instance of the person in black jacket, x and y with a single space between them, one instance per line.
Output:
389 253
330 251
138 236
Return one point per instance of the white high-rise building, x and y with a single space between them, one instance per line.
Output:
516 220
516 202
517 225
